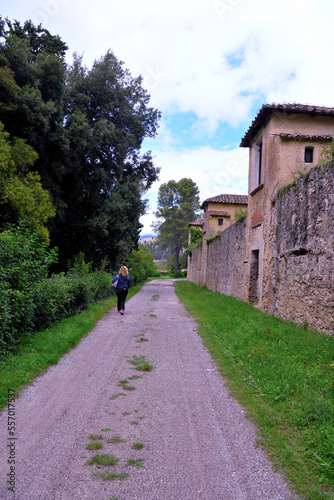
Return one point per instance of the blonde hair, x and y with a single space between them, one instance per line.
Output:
124 271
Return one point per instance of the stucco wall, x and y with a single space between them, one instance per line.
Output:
300 279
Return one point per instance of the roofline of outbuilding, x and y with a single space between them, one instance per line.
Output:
233 199
289 108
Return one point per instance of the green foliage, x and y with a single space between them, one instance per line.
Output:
178 274
87 127
22 197
240 214
213 238
196 236
153 245
178 204
283 374
327 154
24 261
141 264
30 300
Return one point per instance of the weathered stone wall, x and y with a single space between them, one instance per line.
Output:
298 265
226 268
302 271
194 273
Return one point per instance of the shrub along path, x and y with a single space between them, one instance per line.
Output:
137 410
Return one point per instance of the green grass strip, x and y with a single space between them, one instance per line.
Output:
284 376
45 348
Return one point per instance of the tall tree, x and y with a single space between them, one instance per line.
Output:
178 204
105 175
87 127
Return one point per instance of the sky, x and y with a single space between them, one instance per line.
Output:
209 66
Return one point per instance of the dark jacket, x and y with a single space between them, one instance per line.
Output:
123 281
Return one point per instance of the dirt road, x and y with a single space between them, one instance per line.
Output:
197 442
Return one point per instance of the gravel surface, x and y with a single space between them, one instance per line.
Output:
198 443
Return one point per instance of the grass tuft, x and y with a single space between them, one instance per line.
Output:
140 363
138 462
94 446
106 459
116 439
137 446
95 436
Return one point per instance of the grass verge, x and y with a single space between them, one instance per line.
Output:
284 376
45 348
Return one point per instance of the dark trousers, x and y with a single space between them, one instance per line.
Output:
121 296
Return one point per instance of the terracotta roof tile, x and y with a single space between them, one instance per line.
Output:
198 222
218 213
268 109
300 137
226 198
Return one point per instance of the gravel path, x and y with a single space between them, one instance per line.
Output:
198 444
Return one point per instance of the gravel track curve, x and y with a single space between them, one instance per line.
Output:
197 442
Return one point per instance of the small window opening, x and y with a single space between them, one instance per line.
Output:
308 155
220 222
259 161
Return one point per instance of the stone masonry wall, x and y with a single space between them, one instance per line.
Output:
226 262
298 269
194 266
302 271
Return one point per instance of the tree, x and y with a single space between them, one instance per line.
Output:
178 204
22 197
87 127
104 176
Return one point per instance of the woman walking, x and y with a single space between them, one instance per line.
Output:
122 289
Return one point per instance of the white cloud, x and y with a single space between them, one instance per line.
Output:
214 171
216 59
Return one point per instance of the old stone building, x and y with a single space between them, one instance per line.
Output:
281 256
284 141
219 212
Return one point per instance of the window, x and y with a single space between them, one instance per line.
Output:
259 161
220 222
308 155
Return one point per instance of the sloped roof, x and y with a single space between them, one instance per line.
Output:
301 137
226 198
268 109
197 222
218 213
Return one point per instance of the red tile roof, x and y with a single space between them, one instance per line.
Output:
268 109
226 198
300 137
198 222
218 213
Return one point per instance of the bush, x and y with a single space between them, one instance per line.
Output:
30 300
177 274
142 266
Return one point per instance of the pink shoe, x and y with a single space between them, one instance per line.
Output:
122 312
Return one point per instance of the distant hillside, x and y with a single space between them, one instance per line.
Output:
146 236
151 243
147 239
